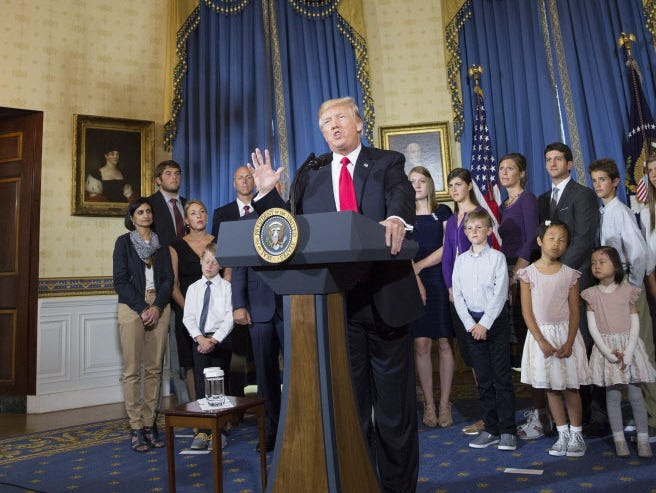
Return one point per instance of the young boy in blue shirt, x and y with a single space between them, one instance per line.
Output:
480 289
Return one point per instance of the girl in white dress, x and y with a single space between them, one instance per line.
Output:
618 356
554 355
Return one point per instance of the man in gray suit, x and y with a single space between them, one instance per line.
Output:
576 205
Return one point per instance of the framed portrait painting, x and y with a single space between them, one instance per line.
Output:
425 144
112 163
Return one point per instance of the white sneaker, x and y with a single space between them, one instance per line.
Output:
560 447
532 429
576 446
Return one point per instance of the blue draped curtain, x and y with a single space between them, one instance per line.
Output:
553 71
318 63
255 76
226 110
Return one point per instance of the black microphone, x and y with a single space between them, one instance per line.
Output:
309 163
320 162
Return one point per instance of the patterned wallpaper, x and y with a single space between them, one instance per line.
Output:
95 57
408 66
106 57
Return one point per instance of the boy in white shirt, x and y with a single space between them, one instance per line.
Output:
480 288
208 319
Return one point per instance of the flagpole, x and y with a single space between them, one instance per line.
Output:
641 130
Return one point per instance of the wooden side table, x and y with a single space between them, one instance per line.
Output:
190 415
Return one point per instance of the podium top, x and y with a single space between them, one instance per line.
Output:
325 238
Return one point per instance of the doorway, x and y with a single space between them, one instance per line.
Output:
21 136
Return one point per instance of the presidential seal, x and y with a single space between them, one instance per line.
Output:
275 235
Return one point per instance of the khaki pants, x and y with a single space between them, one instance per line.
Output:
142 347
647 336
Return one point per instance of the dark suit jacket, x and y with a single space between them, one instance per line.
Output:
164 225
382 189
130 276
578 208
228 212
251 292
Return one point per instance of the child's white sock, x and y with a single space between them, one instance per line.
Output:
618 436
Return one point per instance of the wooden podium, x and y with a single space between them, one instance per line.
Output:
320 446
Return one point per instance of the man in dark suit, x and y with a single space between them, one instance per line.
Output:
255 305
168 217
575 205
372 182
168 205
232 211
243 183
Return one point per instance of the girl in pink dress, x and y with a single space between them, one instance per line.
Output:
618 356
554 354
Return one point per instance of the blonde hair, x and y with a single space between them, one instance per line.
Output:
432 202
347 101
191 202
210 248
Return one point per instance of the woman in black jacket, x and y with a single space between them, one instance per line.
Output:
143 279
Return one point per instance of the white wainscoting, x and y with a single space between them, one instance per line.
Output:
79 359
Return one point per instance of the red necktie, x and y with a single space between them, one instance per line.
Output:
179 223
347 200
247 210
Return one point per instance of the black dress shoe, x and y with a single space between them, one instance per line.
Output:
596 429
270 443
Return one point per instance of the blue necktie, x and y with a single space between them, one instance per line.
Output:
206 307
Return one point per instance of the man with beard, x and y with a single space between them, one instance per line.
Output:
168 214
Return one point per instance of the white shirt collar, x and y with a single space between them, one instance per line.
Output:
353 157
561 186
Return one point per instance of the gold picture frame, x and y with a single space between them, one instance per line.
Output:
102 184
432 142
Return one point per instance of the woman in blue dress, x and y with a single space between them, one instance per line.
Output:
436 322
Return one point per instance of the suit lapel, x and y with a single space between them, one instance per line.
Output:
361 173
567 194
324 191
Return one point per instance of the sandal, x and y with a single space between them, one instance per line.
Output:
430 419
445 419
137 441
151 436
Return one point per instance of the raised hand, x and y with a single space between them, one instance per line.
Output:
264 176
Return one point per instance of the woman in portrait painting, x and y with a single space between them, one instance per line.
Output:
108 183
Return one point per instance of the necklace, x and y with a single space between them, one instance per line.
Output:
511 200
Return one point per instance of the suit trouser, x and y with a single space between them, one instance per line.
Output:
267 342
142 346
220 356
491 361
647 336
383 374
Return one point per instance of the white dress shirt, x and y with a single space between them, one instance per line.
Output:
620 230
219 314
561 188
241 205
480 285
